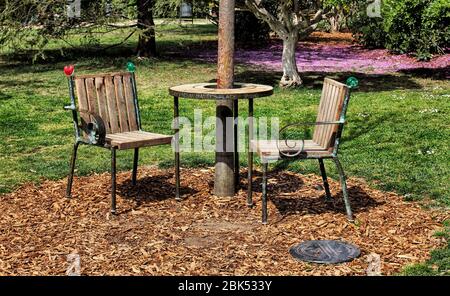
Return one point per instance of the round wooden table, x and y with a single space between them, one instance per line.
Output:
227 163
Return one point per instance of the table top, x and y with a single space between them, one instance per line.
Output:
208 91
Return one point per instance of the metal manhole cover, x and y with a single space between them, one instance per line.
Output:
325 251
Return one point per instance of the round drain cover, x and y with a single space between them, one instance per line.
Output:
325 251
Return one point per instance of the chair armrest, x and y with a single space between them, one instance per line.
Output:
70 107
298 150
312 124
94 130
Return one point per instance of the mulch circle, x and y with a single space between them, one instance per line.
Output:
204 235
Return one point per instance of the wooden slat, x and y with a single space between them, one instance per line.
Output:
124 74
102 102
316 129
137 139
330 112
140 134
340 103
129 99
91 95
324 112
121 105
334 82
268 149
82 99
122 137
322 108
112 104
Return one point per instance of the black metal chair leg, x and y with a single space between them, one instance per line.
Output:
236 144
72 169
250 153
177 176
176 147
264 193
344 189
325 180
250 177
113 180
135 166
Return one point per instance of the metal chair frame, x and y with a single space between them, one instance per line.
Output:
94 134
333 155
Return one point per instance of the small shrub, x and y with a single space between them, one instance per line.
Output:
419 27
403 24
367 31
436 27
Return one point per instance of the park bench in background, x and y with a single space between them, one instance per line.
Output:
109 118
324 143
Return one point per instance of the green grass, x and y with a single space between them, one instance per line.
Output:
393 138
439 263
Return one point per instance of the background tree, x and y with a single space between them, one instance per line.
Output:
341 10
30 24
290 20
147 37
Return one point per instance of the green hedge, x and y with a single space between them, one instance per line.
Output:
420 27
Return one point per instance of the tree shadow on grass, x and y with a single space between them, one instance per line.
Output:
435 74
4 96
314 80
29 85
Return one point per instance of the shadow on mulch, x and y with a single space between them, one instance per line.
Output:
286 182
151 189
360 202
313 201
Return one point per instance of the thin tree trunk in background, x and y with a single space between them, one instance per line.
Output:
147 42
290 78
338 20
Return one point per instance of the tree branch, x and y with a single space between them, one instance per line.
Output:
262 13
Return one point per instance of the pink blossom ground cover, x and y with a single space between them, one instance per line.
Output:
322 57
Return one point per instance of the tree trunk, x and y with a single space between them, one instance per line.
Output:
337 21
224 172
334 24
290 78
147 42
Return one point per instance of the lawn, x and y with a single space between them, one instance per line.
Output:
397 137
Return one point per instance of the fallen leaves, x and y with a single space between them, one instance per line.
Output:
203 235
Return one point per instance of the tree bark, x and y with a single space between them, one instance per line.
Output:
224 169
337 20
147 41
290 78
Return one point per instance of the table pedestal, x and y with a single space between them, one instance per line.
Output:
226 181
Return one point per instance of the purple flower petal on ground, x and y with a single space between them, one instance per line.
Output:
332 58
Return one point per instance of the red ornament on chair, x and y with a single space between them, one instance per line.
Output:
68 70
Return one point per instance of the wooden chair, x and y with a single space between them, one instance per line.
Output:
110 118
323 145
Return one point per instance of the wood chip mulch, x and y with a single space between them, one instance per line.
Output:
204 235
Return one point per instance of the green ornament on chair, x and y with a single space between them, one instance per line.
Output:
352 82
131 67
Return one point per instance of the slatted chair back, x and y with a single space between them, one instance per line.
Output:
112 96
331 107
